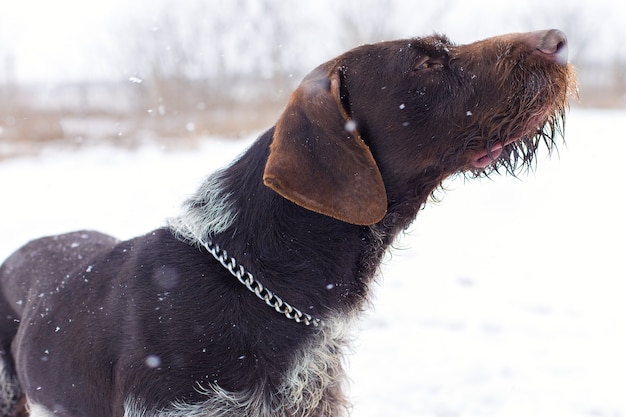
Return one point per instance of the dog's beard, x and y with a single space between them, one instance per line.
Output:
520 136
520 155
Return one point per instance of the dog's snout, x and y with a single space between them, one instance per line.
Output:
552 44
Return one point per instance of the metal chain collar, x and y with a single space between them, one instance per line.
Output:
247 279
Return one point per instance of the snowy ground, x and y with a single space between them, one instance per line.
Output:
506 299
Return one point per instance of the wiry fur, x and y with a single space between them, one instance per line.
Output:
156 327
209 211
36 410
311 387
10 391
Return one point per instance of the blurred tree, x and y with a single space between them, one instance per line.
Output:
359 25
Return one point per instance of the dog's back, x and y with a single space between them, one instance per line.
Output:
48 259
46 262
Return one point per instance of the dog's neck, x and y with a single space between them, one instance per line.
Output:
298 254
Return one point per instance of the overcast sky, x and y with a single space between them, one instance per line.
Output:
48 40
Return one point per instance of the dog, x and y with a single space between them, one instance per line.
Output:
242 305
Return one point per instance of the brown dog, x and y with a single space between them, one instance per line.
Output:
170 324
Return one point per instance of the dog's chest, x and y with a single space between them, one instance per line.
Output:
311 387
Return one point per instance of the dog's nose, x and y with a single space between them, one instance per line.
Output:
551 44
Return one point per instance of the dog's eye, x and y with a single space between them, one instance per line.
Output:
427 63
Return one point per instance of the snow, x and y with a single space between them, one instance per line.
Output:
504 299
153 361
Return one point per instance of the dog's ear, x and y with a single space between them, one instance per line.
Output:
317 158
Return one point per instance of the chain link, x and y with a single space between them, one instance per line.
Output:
247 279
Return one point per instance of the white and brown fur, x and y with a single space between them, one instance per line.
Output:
156 327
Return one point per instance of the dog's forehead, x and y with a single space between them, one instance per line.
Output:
391 57
432 45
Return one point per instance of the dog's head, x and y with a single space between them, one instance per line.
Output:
373 126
